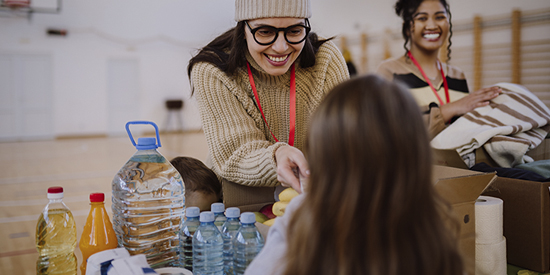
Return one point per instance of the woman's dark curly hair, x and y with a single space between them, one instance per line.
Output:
406 9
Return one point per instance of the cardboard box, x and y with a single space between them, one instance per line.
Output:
246 198
461 188
526 210
526 221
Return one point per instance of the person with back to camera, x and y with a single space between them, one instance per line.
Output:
256 86
202 186
426 25
370 206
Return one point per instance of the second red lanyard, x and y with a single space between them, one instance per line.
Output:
292 103
429 82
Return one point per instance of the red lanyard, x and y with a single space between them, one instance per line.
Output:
292 103
428 80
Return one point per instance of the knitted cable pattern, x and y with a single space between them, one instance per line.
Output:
241 148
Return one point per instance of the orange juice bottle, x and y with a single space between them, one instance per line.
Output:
98 233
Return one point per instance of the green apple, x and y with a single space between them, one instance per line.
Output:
260 217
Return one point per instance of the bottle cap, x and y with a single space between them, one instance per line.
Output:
55 192
248 217
192 212
206 216
232 212
217 207
97 197
146 143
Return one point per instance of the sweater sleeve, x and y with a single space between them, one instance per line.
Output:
337 70
239 151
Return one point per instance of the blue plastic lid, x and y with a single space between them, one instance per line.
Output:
232 212
217 207
192 212
206 216
146 143
248 217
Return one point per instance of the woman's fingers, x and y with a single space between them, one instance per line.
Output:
291 166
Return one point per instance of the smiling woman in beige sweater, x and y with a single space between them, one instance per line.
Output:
256 86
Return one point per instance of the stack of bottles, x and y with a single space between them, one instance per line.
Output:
148 202
212 251
56 236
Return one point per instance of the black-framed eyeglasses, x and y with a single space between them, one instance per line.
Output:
266 35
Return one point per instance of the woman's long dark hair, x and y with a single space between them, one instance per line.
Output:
406 9
228 51
370 206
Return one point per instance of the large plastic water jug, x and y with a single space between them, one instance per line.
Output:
148 203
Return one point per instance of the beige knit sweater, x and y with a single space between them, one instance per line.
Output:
241 148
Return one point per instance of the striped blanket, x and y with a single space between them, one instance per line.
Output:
512 124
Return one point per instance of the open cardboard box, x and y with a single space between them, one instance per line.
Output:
526 210
459 187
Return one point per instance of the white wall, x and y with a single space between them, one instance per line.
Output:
162 35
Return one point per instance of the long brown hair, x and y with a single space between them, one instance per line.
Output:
370 206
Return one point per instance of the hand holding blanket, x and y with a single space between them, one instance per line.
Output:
512 124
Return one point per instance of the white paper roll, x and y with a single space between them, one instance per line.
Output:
491 258
489 217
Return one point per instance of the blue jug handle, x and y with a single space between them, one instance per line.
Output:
142 122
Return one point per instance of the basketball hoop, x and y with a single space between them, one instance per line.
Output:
16 4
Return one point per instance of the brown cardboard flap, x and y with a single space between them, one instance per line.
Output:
460 185
448 158
461 188
236 195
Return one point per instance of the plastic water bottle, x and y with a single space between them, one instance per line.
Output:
56 237
188 228
229 230
207 247
148 203
219 217
247 243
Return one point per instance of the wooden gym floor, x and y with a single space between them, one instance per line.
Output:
81 166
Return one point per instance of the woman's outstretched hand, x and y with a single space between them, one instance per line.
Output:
292 167
468 103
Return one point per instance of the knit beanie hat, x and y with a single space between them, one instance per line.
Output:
254 9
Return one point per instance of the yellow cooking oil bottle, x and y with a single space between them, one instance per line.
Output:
56 237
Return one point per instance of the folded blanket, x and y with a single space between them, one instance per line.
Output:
512 124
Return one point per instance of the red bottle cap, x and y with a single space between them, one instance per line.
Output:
97 197
55 189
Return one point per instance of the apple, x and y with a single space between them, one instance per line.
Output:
268 211
261 218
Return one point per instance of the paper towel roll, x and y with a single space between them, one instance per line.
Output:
491 258
489 216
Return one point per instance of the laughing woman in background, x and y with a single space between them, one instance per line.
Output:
256 86
439 88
